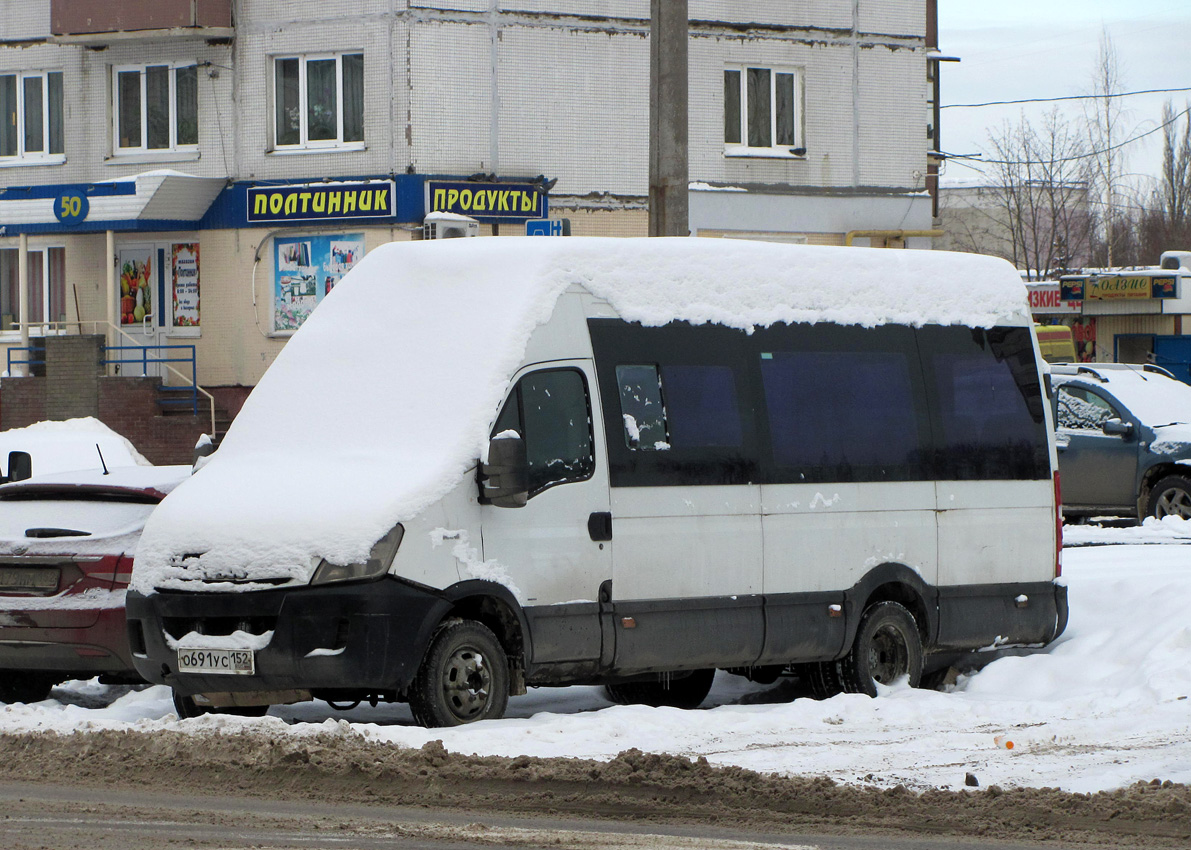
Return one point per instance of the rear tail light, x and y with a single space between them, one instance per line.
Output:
1058 528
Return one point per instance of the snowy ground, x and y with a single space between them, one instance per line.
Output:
1108 705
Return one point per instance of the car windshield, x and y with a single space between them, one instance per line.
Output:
1154 399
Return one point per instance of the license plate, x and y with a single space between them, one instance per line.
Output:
28 579
232 662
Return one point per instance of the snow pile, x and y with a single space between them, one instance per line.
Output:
1171 529
384 398
69 445
1107 706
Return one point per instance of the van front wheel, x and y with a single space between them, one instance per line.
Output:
463 678
887 647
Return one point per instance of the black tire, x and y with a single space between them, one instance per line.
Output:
25 687
822 678
686 692
1170 496
887 647
186 707
463 678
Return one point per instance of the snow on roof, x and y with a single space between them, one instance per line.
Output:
383 400
69 445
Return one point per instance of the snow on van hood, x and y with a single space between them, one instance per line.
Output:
384 398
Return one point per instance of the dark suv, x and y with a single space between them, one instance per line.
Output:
1124 440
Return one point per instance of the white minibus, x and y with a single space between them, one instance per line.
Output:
484 465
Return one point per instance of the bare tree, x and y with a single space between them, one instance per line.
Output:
1106 131
1039 191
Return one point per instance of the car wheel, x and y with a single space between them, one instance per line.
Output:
685 692
25 687
1171 496
463 678
887 647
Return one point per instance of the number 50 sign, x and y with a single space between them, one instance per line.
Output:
71 208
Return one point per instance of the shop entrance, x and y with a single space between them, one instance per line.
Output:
157 292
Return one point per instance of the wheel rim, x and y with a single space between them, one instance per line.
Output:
888 657
467 683
1174 501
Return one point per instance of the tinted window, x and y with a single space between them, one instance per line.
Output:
701 406
550 410
688 392
841 415
988 403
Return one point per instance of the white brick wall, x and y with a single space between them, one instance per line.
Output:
21 19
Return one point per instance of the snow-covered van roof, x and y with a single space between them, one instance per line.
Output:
384 398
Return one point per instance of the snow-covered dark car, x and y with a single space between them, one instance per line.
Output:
1124 440
66 547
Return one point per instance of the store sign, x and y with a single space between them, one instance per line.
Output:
1131 288
1047 299
184 261
71 208
517 201
322 202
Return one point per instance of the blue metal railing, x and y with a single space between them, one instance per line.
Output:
138 355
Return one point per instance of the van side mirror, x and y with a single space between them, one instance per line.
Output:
20 466
504 479
1116 428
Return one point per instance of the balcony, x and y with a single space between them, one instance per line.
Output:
99 22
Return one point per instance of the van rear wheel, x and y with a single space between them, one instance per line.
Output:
887 647
686 692
463 678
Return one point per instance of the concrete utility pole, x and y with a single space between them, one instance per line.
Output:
668 133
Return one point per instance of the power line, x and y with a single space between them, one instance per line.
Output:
1057 99
1089 155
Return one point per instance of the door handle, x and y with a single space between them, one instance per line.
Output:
599 526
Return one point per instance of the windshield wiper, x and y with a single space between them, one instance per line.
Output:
55 532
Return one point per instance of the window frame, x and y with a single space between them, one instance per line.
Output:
305 143
142 69
742 148
515 398
44 156
38 326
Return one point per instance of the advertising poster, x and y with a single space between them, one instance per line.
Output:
185 262
136 285
308 267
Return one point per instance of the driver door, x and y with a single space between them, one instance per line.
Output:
1098 470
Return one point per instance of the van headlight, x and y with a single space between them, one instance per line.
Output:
378 563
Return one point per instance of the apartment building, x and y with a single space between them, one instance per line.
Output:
202 172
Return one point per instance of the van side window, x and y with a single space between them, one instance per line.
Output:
842 415
988 404
701 406
641 407
551 411
1082 410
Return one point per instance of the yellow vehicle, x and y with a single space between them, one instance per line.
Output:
1056 343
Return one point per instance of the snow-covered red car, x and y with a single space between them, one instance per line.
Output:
66 546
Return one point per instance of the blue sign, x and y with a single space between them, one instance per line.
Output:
487 201
71 207
548 227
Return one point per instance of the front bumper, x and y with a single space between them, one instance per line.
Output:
372 636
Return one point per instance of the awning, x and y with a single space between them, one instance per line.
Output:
155 200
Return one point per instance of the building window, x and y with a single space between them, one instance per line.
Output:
319 101
763 112
31 109
156 107
47 288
